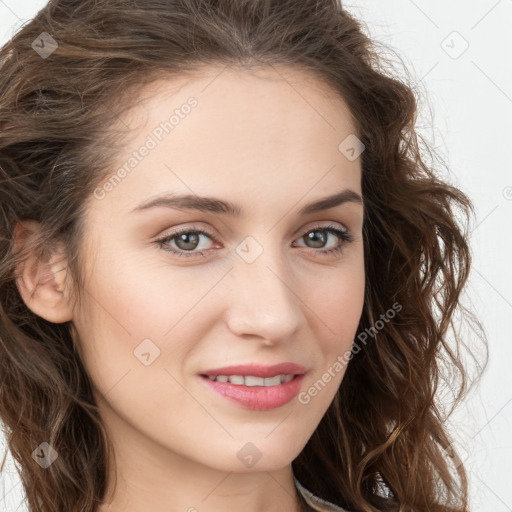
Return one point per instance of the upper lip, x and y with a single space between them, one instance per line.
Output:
257 370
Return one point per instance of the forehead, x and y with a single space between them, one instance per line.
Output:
271 133
239 102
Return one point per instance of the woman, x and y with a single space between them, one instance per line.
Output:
228 274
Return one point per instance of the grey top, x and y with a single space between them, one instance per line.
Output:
315 502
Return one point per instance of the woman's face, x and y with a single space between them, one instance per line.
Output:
264 287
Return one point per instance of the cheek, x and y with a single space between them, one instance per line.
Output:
145 295
338 307
136 306
128 312
338 304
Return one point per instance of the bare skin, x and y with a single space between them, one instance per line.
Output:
271 146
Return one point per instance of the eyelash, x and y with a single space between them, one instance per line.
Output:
344 236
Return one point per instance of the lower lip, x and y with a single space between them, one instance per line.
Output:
260 398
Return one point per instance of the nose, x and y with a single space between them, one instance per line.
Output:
262 300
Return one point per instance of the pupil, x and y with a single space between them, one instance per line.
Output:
183 238
319 240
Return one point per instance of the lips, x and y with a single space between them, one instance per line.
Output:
252 396
257 370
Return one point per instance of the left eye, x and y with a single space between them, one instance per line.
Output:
189 239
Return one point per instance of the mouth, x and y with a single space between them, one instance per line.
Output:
251 380
256 387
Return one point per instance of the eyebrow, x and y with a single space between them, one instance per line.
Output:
215 205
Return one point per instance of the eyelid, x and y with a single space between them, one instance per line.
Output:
321 224
177 231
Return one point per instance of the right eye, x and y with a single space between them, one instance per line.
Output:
184 236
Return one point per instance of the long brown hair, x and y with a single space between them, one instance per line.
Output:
383 443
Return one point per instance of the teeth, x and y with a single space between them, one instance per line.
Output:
252 381
256 381
271 381
236 379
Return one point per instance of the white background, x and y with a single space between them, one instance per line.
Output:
470 97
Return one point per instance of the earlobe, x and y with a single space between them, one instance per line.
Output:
41 284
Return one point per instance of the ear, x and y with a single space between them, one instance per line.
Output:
41 284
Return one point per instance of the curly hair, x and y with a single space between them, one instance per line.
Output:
383 444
